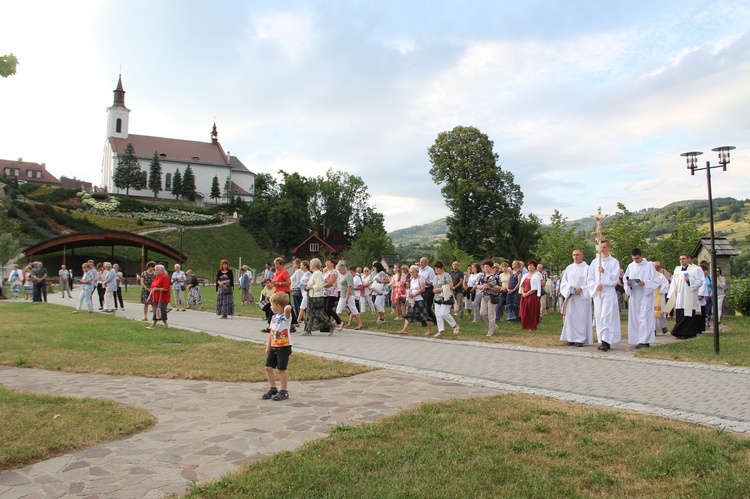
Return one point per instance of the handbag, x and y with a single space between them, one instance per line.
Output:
377 287
447 293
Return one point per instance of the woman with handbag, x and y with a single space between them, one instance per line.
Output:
379 281
296 291
331 290
417 308
159 296
224 290
316 310
490 286
444 300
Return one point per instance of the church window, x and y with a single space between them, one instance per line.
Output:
145 177
118 127
314 247
168 181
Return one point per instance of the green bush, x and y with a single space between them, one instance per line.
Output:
130 205
68 220
53 195
738 295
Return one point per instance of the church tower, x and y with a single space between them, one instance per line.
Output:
117 114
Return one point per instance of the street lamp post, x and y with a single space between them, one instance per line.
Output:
724 160
182 231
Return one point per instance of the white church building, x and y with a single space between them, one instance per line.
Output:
206 159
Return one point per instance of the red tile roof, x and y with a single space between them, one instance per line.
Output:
24 167
186 151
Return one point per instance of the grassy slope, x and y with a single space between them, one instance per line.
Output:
205 248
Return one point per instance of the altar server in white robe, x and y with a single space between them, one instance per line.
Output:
684 296
604 272
660 315
640 284
577 327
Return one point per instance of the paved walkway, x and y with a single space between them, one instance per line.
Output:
207 428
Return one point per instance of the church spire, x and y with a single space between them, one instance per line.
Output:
214 134
119 94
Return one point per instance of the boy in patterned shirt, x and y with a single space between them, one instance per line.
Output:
279 346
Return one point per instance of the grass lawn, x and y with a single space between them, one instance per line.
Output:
102 344
734 346
505 446
38 427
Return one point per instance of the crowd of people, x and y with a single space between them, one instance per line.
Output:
320 294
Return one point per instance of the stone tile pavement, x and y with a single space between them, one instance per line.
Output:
207 428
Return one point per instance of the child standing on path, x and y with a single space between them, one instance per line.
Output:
279 346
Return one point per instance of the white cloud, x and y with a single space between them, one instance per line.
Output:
292 33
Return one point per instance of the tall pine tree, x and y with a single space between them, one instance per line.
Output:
177 184
188 184
228 189
128 173
215 189
154 175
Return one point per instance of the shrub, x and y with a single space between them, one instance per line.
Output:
52 195
130 205
738 295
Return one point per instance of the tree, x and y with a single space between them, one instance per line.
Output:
558 241
188 184
216 190
128 173
288 217
154 175
449 252
228 189
369 245
483 199
177 184
339 201
522 239
624 233
686 233
8 65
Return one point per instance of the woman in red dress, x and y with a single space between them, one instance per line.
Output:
531 291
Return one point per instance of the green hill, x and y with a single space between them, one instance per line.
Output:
416 234
206 247
731 220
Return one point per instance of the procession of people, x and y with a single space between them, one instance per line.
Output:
490 292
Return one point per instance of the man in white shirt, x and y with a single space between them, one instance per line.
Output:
640 285
64 275
577 327
604 273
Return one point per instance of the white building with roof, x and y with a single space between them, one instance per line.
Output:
206 159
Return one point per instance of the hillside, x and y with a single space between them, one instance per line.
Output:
206 247
416 234
731 220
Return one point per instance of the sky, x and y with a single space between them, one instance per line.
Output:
588 103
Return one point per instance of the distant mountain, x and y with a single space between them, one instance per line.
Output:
417 234
731 218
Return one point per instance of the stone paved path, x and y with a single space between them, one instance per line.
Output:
208 428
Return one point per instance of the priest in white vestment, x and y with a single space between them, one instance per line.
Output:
604 272
640 284
660 315
577 328
683 294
